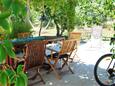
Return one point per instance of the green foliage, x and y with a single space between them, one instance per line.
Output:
21 79
3 78
2 54
9 48
11 8
18 7
71 14
6 49
62 12
19 27
6 3
5 14
5 24
9 77
68 13
90 12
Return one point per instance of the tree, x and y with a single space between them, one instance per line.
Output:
90 12
65 14
59 12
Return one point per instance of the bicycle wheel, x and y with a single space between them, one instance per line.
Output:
104 71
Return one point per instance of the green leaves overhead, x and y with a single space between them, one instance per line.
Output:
18 7
94 12
62 12
15 7
9 10
6 3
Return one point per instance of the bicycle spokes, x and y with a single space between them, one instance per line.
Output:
104 70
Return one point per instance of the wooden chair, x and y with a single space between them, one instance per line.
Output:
34 56
64 53
77 37
96 37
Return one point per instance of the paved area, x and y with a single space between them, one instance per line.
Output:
83 68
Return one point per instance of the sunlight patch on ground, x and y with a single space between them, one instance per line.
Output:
89 55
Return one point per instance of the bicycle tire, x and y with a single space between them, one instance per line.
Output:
95 70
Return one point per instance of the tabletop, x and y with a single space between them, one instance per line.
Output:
55 47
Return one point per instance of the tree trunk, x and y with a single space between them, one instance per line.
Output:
62 31
57 28
40 28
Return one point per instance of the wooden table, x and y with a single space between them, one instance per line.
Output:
20 43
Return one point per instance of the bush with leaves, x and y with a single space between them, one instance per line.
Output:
20 27
8 76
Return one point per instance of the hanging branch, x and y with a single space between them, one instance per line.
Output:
28 13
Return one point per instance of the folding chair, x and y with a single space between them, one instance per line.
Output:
96 37
64 54
34 57
76 36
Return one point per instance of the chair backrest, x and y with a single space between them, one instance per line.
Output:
75 35
68 46
96 32
34 54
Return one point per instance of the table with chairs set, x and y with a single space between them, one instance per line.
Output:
49 51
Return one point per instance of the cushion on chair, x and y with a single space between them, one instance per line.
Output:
55 55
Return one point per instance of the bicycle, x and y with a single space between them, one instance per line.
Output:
104 69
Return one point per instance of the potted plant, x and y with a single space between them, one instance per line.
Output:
20 27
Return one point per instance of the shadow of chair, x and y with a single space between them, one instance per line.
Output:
77 37
34 57
64 54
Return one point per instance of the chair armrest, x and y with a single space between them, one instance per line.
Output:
19 59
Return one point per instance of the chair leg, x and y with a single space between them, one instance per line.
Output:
65 62
73 56
41 76
50 70
53 68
